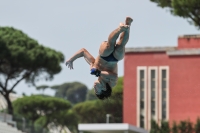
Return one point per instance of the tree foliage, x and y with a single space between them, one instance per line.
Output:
75 92
90 112
154 127
45 111
189 9
184 126
42 87
164 128
174 128
23 58
197 126
91 95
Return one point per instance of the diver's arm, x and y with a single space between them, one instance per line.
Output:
81 53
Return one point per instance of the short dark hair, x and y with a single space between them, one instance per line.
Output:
105 94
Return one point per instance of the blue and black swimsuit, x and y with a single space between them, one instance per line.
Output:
109 58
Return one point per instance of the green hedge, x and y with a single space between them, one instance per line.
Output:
182 127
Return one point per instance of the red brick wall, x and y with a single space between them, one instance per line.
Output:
184 88
188 42
184 84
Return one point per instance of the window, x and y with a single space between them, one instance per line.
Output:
164 93
141 97
141 105
142 94
152 83
142 121
163 79
153 80
141 79
152 94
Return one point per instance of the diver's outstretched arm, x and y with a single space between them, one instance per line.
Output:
81 53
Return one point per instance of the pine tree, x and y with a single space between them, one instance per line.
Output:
174 128
164 127
154 127
197 126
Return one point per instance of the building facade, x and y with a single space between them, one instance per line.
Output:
162 83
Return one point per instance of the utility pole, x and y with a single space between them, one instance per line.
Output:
107 118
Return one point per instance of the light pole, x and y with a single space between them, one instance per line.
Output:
107 117
24 123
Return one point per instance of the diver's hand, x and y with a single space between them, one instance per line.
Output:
95 72
69 63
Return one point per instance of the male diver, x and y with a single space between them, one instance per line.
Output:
105 65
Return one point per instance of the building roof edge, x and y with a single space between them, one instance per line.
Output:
190 36
184 52
149 49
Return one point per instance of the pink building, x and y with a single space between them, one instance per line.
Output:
162 83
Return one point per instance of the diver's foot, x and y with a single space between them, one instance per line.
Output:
123 27
128 20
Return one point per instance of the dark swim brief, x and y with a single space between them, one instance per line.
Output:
109 58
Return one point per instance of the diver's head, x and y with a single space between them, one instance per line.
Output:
102 89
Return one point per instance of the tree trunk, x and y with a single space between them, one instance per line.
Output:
32 127
10 108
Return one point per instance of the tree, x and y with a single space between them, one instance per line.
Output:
164 128
154 127
174 128
115 102
23 58
45 111
42 87
58 121
197 126
185 127
90 112
91 95
75 92
189 9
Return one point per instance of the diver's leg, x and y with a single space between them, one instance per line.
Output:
112 38
120 46
107 47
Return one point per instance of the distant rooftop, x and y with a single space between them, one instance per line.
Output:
171 51
187 45
190 36
149 49
184 52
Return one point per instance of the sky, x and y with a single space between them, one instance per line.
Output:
69 25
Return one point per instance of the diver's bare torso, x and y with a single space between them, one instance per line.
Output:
103 65
111 67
